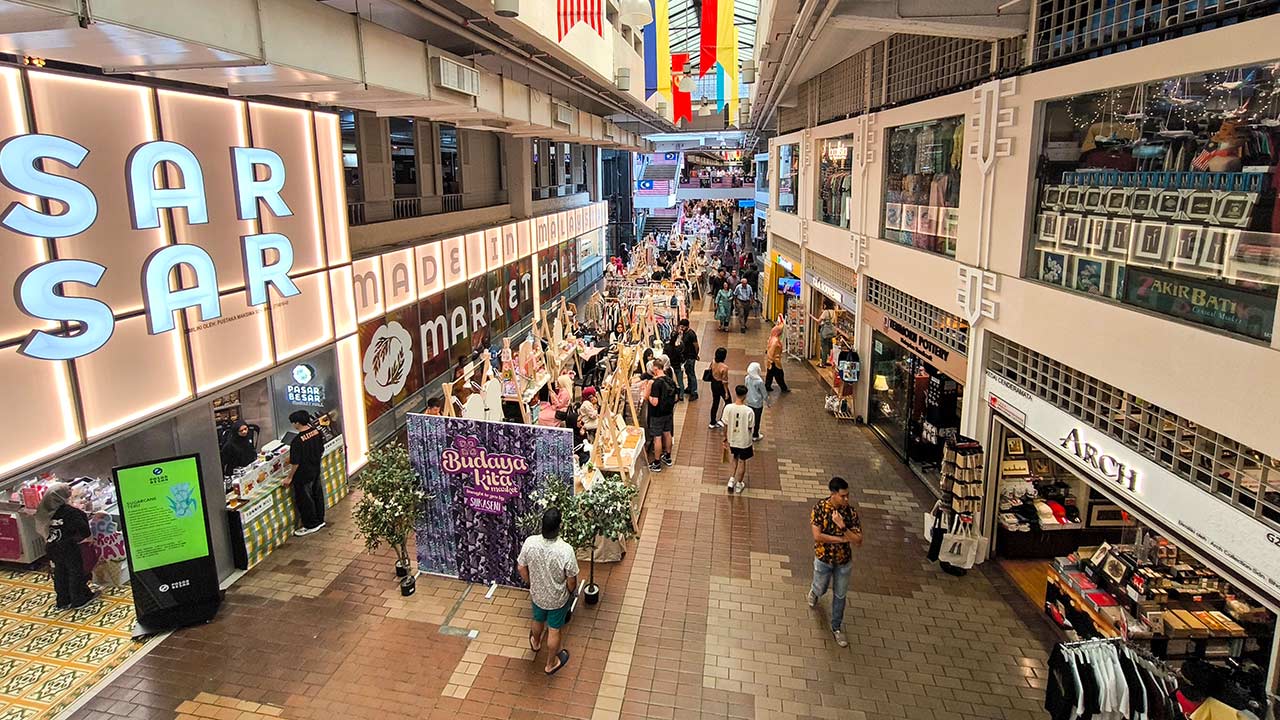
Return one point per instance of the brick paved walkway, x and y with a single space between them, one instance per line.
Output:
705 617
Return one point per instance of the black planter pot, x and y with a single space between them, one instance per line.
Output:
408 585
401 570
591 593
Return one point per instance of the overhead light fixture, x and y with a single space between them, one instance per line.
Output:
705 108
662 107
635 13
506 8
748 72
687 85
623 78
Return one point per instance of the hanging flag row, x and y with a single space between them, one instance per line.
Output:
717 52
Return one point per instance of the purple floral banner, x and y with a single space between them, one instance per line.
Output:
480 476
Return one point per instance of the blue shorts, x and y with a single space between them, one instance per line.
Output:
555 619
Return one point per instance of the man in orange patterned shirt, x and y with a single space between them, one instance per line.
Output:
836 529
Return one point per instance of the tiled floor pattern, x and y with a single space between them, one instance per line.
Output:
704 617
49 657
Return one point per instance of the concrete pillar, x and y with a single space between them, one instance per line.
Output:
425 155
577 169
517 153
595 173
373 153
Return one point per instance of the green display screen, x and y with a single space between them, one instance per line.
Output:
163 518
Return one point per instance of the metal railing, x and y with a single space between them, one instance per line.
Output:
451 203
355 213
407 207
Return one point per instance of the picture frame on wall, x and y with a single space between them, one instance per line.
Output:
1071 198
1117 280
1013 446
1042 467
911 218
1199 205
1092 199
1088 275
1186 246
1119 238
1053 267
1098 236
1234 208
1142 202
1106 515
1015 468
1216 247
1169 204
928 221
950 223
1151 244
1051 198
1116 201
1050 226
1072 228
893 216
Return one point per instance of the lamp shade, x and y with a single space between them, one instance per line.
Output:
635 13
881 384
687 85
506 8
623 78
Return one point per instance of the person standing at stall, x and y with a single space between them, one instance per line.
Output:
661 399
689 354
65 528
305 452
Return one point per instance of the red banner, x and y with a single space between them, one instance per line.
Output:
681 102
709 37
572 12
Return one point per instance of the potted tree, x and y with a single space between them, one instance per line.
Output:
603 513
393 497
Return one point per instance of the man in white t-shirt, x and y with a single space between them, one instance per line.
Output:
739 422
550 567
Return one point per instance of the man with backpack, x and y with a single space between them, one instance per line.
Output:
662 407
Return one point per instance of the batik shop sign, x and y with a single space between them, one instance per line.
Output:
1202 303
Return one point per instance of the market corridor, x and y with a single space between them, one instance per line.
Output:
705 617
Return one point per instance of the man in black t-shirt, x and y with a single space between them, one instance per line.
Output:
305 451
661 397
689 356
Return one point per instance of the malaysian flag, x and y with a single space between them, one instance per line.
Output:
648 188
572 12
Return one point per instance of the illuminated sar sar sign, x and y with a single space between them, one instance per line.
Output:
258 176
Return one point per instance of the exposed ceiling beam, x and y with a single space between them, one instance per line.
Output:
971 19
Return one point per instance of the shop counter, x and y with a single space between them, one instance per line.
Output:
265 519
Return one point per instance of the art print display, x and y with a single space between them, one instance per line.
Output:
1234 208
1186 247
1049 227
1072 228
911 217
1099 237
1169 205
893 216
1152 242
1089 275
480 476
1120 238
1053 267
1116 201
1052 197
1199 206
928 222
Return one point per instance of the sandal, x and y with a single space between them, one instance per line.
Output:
563 657
532 646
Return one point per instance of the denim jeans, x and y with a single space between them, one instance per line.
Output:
837 576
690 376
677 376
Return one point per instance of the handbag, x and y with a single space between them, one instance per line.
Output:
706 375
826 330
959 546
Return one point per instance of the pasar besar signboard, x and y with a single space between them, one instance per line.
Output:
158 245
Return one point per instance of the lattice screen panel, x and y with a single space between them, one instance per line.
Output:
786 247
921 65
838 274
948 329
1213 462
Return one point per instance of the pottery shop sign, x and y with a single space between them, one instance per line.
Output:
480 477
952 363
495 477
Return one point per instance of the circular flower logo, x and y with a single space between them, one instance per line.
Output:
388 361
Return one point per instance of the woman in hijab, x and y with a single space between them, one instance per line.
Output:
240 448
757 396
64 527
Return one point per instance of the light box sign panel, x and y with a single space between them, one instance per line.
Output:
178 211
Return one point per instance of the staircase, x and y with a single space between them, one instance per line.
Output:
660 220
660 172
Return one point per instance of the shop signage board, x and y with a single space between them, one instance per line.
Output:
1202 303
950 362
481 476
840 297
1239 543
165 519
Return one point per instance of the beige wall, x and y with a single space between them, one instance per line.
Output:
1228 384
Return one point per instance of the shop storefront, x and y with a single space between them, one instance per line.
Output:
922 184
780 287
1161 196
835 182
916 379
1110 544
788 177
834 291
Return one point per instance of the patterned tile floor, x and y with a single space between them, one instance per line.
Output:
48 657
704 617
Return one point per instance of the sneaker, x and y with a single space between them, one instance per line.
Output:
729 485
740 487
693 397
92 596
301 532
666 458
655 466
757 438
841 640
713 426
812 599
720 423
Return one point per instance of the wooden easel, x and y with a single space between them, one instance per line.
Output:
461 388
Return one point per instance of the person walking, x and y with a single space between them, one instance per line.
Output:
305 452
719 374
724 304
773 356
836 530
689 352
661 399
757 396
549 567
738 420
65 528
743 296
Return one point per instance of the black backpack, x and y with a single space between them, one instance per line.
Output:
665 390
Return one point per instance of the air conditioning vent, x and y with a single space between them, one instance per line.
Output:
455 76
564 114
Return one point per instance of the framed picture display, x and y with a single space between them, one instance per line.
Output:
1234 208
1093 199
1013 446
1098 236
928 220
1151 245
1050 226
1115 201
1199 206
1254 256
1142 202
1015 468
950 222
1215 248
1119 237
1088 275
1186 247
1051 197
1169 204
1072 198
893 216
1072 230
1117 280
1041 466
1053 267
1106 515
910 217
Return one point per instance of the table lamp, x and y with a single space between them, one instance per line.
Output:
881 384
